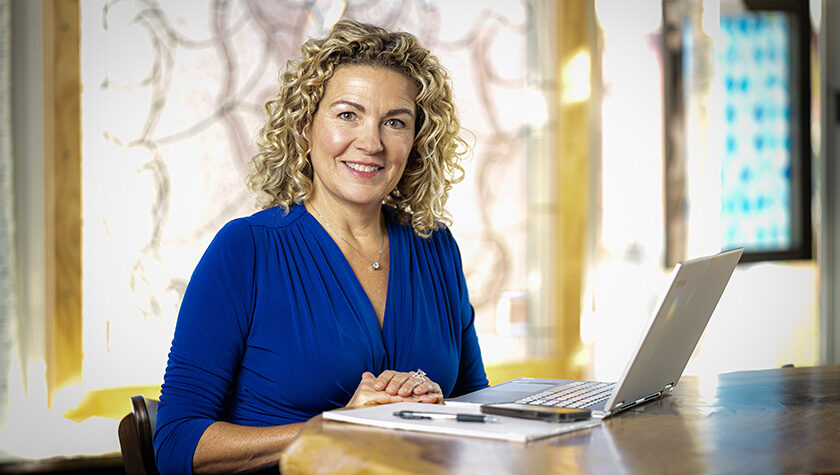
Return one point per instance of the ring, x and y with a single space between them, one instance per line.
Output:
419 374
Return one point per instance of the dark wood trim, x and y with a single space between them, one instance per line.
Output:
674 128
803 165
63 193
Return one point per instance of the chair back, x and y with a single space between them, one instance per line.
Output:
136 431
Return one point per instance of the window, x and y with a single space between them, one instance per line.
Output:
752 75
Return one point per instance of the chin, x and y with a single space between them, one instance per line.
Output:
365 198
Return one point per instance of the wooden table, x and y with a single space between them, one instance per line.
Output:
772 421
107 464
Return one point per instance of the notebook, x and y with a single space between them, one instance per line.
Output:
506 428
659 359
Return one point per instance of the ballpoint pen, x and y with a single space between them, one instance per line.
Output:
446 416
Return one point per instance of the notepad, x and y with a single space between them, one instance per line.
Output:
508 428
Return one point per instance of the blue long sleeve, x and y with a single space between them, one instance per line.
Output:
209 340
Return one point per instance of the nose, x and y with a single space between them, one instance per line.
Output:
369 139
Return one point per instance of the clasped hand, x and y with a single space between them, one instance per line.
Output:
393 386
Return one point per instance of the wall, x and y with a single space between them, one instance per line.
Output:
829 171
27 120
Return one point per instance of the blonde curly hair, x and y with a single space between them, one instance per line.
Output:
282 172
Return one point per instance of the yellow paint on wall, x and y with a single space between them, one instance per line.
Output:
111 403
536 368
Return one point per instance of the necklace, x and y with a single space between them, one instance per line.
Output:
373 264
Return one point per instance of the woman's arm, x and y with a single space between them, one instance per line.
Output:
229 448
471 374
210 338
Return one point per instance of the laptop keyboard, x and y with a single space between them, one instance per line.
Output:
577 395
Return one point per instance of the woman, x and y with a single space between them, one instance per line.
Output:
346 281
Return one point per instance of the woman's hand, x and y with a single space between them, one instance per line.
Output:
392 386
367 395
407 386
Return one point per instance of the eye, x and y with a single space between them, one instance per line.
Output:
395 123
347 115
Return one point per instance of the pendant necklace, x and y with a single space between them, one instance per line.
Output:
373 264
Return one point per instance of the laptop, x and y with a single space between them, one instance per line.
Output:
656 366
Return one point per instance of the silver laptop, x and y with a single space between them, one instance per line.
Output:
660 357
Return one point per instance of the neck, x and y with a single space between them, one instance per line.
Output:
360 223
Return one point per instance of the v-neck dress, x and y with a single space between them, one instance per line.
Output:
275 327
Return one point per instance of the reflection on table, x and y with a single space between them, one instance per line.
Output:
771 421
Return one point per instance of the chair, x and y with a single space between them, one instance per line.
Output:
136 431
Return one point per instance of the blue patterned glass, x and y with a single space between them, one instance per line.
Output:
754 65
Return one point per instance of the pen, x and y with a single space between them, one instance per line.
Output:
446 416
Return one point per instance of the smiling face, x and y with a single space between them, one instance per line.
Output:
361 135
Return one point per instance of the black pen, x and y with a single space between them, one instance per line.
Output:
446 416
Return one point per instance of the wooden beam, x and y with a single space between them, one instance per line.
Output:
63 193
574 135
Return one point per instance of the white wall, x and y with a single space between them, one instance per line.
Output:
830 177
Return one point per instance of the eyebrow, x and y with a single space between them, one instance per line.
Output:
361 108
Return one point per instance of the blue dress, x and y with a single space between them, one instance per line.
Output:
275 328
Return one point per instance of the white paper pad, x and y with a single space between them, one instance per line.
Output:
508 428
